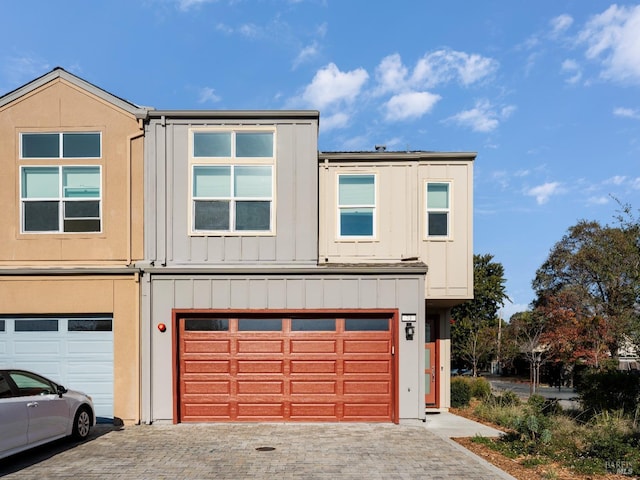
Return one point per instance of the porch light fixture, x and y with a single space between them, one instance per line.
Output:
409 328
409 331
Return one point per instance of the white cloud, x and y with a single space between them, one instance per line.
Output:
249 30
626 113
336 120
574 71
612 38
601 200
443 66
616 180
186 5
391 74
560 24
483 117
207 95
543 192
410 105
305 54
635 183
330 86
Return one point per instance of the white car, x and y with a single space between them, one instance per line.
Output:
34 410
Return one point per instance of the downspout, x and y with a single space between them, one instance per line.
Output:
130 139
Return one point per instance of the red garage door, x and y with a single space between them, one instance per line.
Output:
291 369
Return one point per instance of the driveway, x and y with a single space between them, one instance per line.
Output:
254 451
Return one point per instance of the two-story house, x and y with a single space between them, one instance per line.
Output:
214 266
70 232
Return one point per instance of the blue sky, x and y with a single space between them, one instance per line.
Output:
547 92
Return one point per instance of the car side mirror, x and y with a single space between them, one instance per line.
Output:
61 390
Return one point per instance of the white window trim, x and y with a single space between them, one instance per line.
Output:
435 238
60 199
60 145
357 238
233 161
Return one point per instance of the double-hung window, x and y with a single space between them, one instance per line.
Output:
438 208
57 197
356 205
232 181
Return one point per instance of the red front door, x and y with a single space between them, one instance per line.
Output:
430 367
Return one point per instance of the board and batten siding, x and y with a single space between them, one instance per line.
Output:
281 293
294 240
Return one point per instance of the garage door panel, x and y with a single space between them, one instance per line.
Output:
318 387
207 347
195 387
222 366
371 366
260 346
37 347
313 346
314 411
260 387
310 367
369 346
249 366
260 410
373 387
207 411
366 410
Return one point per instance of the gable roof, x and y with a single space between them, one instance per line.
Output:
59 72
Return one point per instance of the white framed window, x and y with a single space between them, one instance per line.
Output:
438 209
232 181
61 199
60 145
356 205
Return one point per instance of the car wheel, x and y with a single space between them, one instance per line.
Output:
81 424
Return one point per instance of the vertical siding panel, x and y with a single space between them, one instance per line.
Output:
277 293
369 295
332 294
249 249
183 293
258 293
295 293
285 197
239 293
202 293
220 293
215 249
267 249
313 293
349 292
306 199
387 295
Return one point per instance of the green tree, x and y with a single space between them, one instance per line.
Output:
599 265
527 331
474 327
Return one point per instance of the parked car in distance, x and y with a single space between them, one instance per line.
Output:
465 372
35 410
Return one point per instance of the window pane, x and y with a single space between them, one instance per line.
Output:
366 324
313 324
259 324
356 190
81 145
41 216
254 144
82 225
46 325
212 215
90 325
211 144
81 182
253 216
356 222
206 324
252 182
438 195
2 326
90 209
40 182
438 224
212 181
40 145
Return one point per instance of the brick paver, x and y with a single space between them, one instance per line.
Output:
229 451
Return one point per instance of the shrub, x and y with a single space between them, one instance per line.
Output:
480 387
609 390
460 393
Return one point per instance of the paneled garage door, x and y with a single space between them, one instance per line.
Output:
74 351
292 369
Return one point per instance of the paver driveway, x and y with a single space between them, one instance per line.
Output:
233 451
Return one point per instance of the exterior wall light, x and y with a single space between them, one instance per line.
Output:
409 331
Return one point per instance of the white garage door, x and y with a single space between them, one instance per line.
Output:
75 351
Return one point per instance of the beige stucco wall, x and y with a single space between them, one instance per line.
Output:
118 295
60 106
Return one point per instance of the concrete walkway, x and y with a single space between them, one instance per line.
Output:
238 451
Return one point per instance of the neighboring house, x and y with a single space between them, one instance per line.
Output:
70 231
379 208
225 269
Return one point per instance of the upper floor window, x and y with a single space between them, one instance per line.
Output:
438 209
356 205
232 180
57 199
60 145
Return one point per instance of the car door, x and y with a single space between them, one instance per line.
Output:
14 419
48 413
